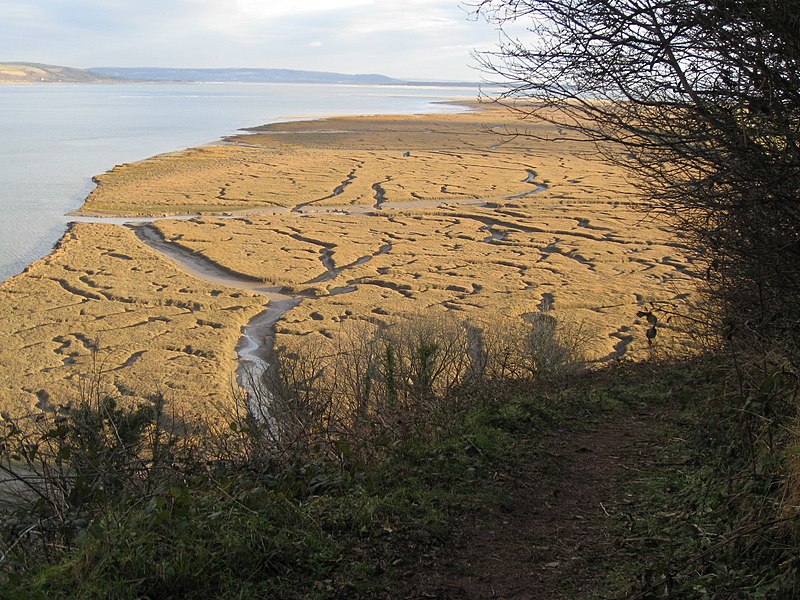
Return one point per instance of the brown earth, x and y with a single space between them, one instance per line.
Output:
555 529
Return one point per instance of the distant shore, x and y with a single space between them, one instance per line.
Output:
23 72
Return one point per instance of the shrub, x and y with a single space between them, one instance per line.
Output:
382 384
61 468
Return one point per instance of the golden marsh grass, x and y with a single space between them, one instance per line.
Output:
367 219
156 328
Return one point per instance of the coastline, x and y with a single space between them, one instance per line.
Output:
380 216
80 131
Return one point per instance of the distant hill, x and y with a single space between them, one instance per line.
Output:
21 72
38 73
239 75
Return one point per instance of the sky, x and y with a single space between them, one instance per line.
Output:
415 39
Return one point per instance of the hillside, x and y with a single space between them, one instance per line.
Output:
239 75
408 304
38 73
22 72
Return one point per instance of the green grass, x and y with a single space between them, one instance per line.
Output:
317 530
701 523
309 532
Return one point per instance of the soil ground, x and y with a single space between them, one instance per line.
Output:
554 532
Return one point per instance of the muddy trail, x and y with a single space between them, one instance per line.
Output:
553 530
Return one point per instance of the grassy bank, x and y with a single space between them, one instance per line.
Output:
715 514
311 530
680 515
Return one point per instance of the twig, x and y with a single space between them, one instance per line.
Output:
742 531
17 541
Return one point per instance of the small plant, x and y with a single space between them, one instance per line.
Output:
555 350
385 383
61 468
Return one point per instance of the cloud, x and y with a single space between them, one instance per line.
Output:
403 38
260 9
21 12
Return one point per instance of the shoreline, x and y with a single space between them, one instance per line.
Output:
514 226
100 144
232 139
98 217
434 85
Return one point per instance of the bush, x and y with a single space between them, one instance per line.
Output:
383 384
62 468
119 486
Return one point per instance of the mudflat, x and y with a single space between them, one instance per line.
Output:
483 215
104 305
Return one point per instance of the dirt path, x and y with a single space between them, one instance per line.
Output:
550 536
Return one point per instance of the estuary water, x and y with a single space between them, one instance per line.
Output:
55 137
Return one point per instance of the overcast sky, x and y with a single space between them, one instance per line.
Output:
428 39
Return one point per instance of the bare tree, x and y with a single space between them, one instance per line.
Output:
700 99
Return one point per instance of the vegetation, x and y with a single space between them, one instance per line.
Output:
335 162
38 73
713 518
310 498
578 245
157 329
302 495
698 100
353 457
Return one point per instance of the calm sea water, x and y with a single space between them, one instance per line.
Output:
54 138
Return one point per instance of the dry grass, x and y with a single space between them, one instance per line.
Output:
360 161
155 326
598 264
578 243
